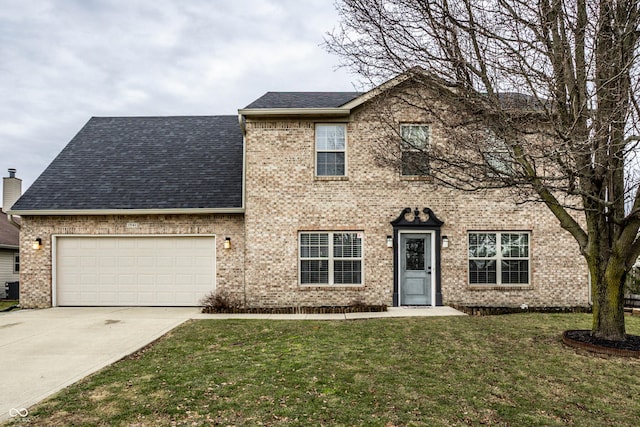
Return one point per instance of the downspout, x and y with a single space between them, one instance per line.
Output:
242 123
13 221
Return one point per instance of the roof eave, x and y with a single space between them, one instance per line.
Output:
170 211
12 247
282 112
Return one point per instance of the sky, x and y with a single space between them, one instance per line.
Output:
64 61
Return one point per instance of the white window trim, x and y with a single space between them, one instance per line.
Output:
316 150
16 256
498 258
404 149
331 259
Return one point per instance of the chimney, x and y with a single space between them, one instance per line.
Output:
11 190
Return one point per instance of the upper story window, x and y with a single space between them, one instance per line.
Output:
497 156
415 146
331 143
499 258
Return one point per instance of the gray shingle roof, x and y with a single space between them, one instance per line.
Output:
144 163
9 235
303 100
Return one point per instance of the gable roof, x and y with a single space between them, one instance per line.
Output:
141 164
341 104
303 100
327 104
9 235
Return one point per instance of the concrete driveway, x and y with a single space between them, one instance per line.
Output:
43 351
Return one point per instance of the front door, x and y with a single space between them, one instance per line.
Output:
415 269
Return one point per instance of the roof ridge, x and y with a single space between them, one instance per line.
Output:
177 116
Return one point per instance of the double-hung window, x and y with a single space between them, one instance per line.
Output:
16 263
331 144
499 258
330 258
414 147
497 156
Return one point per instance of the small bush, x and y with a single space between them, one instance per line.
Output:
220 302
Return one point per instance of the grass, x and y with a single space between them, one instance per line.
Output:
507 370
7 303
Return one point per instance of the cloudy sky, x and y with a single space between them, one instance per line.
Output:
63 61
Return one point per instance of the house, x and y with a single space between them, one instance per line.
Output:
284 205
9 235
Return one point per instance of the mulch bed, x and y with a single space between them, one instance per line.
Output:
360 308
582 339
473 310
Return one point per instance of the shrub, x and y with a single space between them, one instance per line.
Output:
220 302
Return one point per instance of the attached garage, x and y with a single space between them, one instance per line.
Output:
168 270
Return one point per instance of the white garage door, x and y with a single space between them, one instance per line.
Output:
134 271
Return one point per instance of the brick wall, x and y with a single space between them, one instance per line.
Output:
36 265
283 197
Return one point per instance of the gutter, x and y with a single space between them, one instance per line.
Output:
174 211
274 112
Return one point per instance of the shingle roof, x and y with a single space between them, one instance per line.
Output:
303 100
9 235
144 163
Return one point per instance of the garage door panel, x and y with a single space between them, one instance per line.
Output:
108 261
120 270
146 280
88 244
145 261
164 279
127 243
126 261
165 260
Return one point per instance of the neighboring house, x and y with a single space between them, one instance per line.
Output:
9 235
284 205
9 253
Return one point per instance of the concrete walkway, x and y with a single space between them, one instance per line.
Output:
44 351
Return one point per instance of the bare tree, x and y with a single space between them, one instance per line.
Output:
546 100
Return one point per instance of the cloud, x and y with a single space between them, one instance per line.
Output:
62 62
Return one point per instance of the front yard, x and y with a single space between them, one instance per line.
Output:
5 304
503 370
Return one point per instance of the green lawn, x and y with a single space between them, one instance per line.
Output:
6 304
503 370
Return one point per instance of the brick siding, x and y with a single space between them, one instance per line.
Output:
283 197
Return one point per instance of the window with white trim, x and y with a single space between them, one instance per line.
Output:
414 147
16 263
499 258
331 144
330 258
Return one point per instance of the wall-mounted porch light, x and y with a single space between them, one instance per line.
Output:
227 242
445 242
389 241
37 244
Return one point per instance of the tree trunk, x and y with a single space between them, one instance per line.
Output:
608 300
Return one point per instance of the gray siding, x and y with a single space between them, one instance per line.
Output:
6 269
